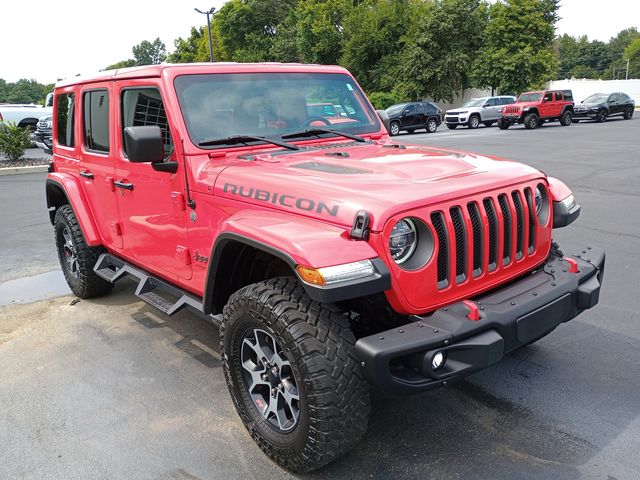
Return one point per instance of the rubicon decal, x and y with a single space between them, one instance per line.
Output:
290 201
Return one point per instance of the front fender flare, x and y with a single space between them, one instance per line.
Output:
71 189
299 241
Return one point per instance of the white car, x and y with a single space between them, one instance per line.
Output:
484 110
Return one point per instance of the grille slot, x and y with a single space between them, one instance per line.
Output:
477 238
517 202
506 230
493 233
532 220
437 220
461 243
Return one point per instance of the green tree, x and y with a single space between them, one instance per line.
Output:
447 41
632 54
149 53
517 53
122 64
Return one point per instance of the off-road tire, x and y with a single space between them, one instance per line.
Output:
488 124
319 344
566 118
432 125
83 282
474 121
602 115
451 126
531 121
503 125
628 113
394 129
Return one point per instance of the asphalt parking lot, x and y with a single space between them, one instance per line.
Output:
111 389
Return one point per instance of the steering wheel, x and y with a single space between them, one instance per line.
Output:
308 121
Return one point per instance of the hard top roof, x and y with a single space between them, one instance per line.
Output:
150 71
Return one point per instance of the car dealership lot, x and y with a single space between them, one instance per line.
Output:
109 388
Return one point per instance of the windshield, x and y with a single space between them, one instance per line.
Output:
217 106
596 98
395 109
530 97
474 102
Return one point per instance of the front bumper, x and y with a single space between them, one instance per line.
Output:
43 141
513 118
584 114
400 360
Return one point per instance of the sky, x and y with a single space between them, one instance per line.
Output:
47 40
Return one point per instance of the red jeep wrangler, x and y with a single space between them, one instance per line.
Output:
338 259
534 108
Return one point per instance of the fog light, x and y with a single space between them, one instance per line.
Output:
438 360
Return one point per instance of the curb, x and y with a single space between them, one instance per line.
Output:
21 170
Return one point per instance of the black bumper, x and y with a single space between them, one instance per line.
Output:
400 360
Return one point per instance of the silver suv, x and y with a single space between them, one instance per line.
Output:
476 111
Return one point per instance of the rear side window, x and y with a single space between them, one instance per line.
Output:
508 100
144 107
558 96
65 119
95 108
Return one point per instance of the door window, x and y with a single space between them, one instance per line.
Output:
96 120
65 119
144 107
548 97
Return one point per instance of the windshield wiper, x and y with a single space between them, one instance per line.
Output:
311 132
246 139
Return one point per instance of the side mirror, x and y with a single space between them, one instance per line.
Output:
144 144
612 101
384 118
485 105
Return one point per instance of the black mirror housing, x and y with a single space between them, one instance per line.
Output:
144 144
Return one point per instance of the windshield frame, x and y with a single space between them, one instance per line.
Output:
352 90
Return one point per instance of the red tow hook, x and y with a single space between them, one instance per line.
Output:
474 313
574 265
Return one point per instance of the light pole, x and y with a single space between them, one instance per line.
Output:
208 13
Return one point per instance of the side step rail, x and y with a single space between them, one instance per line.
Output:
150 288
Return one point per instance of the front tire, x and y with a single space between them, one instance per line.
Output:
432 125
313 345
77 259
531 121
602 116
503 124
394 129
473 122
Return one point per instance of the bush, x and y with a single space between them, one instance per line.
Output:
382 100
13 141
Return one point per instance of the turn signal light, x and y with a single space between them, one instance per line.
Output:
310 275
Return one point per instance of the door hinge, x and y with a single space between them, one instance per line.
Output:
115 228
183 254
178 200
110 183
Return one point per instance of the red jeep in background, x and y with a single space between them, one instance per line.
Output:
338 259
534 108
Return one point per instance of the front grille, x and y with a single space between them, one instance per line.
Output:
511 109
469 246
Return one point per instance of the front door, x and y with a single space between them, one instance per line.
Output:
152 209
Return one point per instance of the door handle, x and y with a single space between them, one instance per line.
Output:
86 174
125 185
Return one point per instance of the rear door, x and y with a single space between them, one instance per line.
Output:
151 203
490 111
96 165
615 105
410 116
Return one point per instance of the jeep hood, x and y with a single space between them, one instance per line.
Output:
333 184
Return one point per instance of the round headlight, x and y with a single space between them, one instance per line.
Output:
542 204
403 240
538 200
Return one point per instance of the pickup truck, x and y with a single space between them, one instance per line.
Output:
26 115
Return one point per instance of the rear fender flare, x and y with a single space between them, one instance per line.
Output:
69 186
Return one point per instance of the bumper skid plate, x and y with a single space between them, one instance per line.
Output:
402 360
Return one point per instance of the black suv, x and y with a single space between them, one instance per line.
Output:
412 116
599 106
